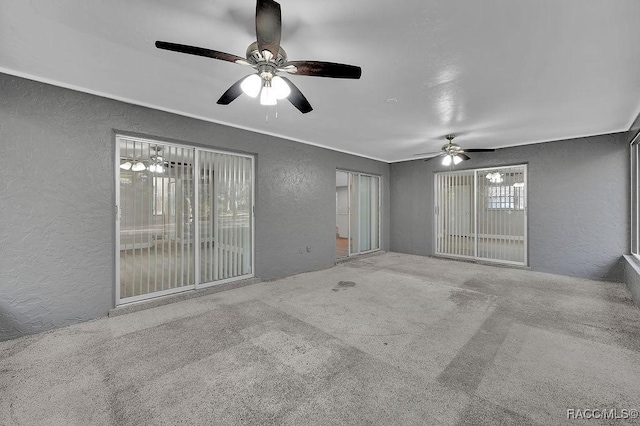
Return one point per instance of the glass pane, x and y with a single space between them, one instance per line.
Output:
156 241
225 216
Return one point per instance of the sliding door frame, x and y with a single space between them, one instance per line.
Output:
196 243
351 173
476 173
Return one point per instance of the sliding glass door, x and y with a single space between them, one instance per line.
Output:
481 214
184 218
357 198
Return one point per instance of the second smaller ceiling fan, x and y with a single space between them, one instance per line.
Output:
453 153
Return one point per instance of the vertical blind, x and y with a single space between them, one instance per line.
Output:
165 235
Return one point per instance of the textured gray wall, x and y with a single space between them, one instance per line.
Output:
578 208
57 197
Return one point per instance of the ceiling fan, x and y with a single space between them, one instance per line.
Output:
453 153
268 58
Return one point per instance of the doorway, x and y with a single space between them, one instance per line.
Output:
357 213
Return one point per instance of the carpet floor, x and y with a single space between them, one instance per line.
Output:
387 339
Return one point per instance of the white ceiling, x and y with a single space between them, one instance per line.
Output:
496 72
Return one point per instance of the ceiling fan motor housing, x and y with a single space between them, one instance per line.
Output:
254 57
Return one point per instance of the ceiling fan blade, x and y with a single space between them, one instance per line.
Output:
464 157
232 93
297 98
478 150
268 26
322 69
200 51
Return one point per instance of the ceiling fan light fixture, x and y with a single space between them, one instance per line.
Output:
457 159
280 87
446 160
138 167
126 165
268 95
251 85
